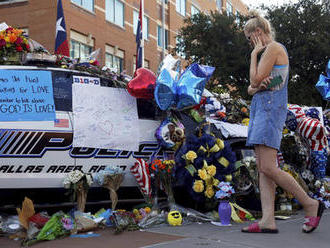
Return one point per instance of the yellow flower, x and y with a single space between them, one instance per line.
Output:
203 174
285 131
220 144
191 155
209 192
223 161
202 148
245 121
211 170
7 39
204 164
147 209
215 148
209 182
135 211
198 186
215 182
229 178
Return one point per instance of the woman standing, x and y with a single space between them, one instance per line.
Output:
267 118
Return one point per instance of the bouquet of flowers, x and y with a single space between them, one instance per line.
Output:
12 43
111 179
201 163
225 190
78 184
163 171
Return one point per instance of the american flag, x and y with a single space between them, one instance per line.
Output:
61 123
310 129
141 173
314 132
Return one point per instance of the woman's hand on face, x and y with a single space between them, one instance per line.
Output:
258 46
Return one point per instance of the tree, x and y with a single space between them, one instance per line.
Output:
304 28
217 40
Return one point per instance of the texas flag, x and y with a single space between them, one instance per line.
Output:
139 40
61 43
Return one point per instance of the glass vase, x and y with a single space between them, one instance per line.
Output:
224 210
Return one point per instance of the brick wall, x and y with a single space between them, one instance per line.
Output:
39 16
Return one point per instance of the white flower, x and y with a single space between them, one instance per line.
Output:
66 184
89 179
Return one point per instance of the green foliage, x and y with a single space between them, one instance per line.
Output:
217 40
304 28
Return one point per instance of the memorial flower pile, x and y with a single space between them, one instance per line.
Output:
12 41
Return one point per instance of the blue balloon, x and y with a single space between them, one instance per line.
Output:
191 85
165 90
323 86
184 93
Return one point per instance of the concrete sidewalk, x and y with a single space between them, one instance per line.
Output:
205 235
210 236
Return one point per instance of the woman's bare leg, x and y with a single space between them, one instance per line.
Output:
268 167
267 194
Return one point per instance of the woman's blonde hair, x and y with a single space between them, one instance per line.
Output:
257 21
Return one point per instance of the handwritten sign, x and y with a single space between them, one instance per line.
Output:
104 117
62 86
26 95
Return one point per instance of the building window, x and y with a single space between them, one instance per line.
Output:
146 63
181 7
160 37
11 1
219 5
86 4
79 50
114 62
81 46
145 24
194 10
114 12
114 58
229 8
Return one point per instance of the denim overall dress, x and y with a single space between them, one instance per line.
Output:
268 112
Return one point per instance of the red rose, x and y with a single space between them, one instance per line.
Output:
2 42
9 29
27 47
18 41
19 49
